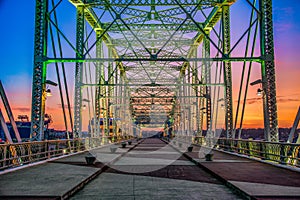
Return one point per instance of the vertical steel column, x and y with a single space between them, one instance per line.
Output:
268 71
104 104
116 94
99 54
102 94
188 102
39 71
78 71
110 81
122 104
182 100
105 100
125 106
227 71
203 102
207 78
196 91
196 81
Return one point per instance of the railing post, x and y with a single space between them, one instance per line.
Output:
235 146
77 144
57 148
29 153
262 150
227 145
47 149
238 146
231 142
248 148
9 155
4 156
297 156
283 158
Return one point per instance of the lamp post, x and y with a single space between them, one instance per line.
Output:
84 106
261 92
45 120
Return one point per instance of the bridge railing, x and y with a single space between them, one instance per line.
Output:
283 153
279 152
14 155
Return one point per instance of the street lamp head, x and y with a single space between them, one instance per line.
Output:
259 92
48 93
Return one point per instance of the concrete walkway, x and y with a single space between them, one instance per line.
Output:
56 179
154 170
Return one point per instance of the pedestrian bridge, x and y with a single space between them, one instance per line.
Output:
181 67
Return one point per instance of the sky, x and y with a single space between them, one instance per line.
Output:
16 54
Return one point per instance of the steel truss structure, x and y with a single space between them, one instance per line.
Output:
155 63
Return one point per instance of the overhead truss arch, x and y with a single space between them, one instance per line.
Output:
170 58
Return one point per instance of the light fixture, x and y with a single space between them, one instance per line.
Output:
259 92
222 106
83 107
48 93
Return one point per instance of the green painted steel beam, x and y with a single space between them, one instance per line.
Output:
268 71
39 71
82 60
206 3
79 71
188 28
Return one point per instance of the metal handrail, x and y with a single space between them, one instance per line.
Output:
13 155
17 154
279 152
283 153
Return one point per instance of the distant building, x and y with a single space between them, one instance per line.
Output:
24 130
23 127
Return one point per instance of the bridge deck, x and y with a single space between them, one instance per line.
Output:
255 179
150 170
